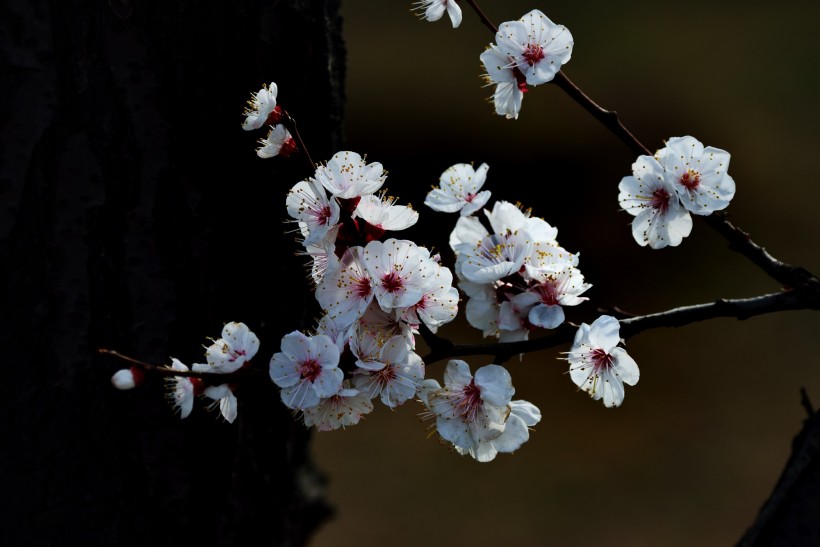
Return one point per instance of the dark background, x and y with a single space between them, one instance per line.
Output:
699 443
149 222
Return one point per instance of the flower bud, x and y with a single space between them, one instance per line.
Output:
127 378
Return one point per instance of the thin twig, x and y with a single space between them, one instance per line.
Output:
484 19
741 308
161 370
290 124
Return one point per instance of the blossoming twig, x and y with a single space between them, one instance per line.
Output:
164 371
740 308
788 275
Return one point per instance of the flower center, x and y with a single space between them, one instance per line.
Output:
310 370
385 375
323 216
392 282
660 199
548 293
533 53
601 360
470 402
361 288
690 180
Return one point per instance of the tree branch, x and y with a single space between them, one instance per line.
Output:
741 308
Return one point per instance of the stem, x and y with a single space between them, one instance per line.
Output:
164 371
291 126
741 308
484 19
609 118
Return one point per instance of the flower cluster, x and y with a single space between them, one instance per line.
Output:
374 293
263 110
226 355
516 277
681 178
529 51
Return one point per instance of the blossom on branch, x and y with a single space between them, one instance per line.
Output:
597 365
660 219
536 46
477 414
698 174
225 399
279 142
434 10
681 178
262 108
459 190
307 369
342 409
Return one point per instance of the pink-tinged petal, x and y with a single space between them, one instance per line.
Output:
454 11
497 65
479 200
495 384
329 382
457 374
325 351
548 317
625 367
296 346
283 371
300 396
604 333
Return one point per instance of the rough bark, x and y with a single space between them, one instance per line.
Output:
137 217
790 516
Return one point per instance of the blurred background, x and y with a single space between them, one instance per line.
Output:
699 443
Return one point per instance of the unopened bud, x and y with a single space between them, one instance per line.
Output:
127 378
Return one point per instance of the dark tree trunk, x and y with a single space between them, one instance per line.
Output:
137 217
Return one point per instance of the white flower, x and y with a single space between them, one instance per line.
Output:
228 354
224 397
347 175
660 219
538 47
345 292
459 190
471 410
342 409
308 204
306 369
434 10
510 83
523 415
597 365
394 377
438 305
279 142
182 389
698 174
261 106
495 257
382 214
400 272
546 296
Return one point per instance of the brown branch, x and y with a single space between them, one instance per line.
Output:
742 308
484 19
